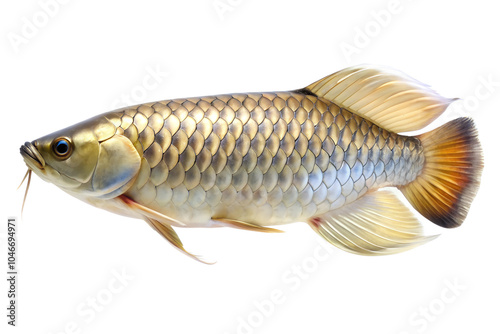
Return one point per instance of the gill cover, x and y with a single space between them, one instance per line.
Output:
117 166
100 163
78 166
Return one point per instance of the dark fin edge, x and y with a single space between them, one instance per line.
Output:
449 181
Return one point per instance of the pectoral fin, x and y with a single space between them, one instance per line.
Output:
224 222
161 224
376 224
168 233
150 213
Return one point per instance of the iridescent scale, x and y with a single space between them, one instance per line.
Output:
267 158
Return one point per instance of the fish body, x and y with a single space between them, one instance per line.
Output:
267 159
315 155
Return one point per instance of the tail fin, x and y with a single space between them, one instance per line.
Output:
444 191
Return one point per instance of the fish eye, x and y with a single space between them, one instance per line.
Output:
62 148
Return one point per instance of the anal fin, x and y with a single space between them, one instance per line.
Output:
169 233
376 224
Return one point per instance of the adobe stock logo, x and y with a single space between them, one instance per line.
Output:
223 7
363 36
486 87
437 307
88 310
32 25
139 93
291 280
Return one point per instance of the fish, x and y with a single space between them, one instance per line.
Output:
332 155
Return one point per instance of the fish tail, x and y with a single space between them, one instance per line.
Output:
450 178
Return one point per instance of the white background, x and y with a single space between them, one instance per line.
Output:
89 53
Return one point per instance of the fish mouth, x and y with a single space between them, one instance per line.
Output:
31 155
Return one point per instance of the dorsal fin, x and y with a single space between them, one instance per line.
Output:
384 96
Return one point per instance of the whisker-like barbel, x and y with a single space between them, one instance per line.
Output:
28 174
24 178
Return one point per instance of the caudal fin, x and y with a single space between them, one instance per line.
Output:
444 191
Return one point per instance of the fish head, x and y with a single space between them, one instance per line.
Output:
90 159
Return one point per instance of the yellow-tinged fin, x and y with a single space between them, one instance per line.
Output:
386 97
450 178
161 224
243 225
376 224
169 233
145 211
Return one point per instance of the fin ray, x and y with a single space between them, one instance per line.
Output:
161 224
145 211
225 222
376 224
444 191
171 236
384 96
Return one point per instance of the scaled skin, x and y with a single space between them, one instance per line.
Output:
267 159
249 161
